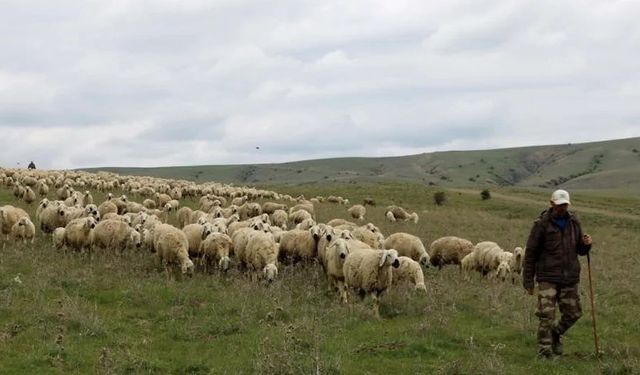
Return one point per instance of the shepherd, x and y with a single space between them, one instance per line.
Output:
551 257
31 165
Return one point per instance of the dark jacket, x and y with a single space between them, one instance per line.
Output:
552 254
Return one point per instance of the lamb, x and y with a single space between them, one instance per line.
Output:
516 263
399 213
172 247
357 211
216 247
339 222
279 218
408 245
449 250
77 234
373 239
262 254
336 253
409 271
162 199
23 230
115 235
300 245
369 272
9 216
195 234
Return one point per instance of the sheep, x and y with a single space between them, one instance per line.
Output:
149 203
369 272
41 206
23 230
115 235
77 234
449 250
306 224
216 247
308 206
336 253
408 245
299 216
279 218
114 216
357 211
58 238
249 210
162 199
271 207
299 245
399 213
489 257
262 254
107 207
134 207
373 239
516 263
42 188
172 246
240 238
368 201
9 216
195 234
29 196
87 198
339 222
389 216
52 217
184 216
409 271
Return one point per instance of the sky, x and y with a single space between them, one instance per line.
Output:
192 82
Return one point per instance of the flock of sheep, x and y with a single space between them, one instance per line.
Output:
231 228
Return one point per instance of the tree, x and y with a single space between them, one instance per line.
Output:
485 194
439 197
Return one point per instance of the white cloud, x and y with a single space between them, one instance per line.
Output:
198 82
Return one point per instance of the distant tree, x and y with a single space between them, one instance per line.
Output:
485 194
439 198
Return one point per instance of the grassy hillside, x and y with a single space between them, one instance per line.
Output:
598 165
64 312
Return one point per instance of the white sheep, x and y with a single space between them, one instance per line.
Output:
279 218
271 207
107 207
9 216
409 271
184 216
110 234
195 234
58 238
390 217
23 230
357 211
77 234
262 255
336 253
172 247
408 245
299 245
369 272
449 250
299 216
53 216
374 239
216 247
401 214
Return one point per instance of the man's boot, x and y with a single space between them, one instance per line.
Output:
556 345
544 352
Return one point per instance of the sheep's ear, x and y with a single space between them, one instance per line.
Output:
383 258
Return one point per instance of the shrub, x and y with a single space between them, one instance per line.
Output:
439 197
485 194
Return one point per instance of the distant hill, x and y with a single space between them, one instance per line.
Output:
611 164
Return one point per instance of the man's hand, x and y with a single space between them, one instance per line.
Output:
586 239
529 291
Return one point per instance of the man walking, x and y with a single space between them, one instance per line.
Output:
551 256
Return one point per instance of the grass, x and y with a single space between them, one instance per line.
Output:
107 313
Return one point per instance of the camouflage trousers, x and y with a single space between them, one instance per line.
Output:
568 300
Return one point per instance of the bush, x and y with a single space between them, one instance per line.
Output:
485 194
439 197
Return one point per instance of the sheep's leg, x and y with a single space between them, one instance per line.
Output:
343 292
376 305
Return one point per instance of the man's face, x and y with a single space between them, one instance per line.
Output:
560 209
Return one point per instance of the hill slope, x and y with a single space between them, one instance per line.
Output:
596 165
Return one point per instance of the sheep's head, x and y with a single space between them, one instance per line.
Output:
424 260
135 238
389 257
346 234
372 227
90 223
187 267
341 248
315 232
503 271
224 263
22 221
270 272
389 215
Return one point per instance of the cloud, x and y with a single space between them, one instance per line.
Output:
148 83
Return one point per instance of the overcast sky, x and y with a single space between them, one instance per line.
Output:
159 82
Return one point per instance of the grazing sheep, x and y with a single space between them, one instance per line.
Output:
77 234
195 234
149 204
389 216
299 216
29 196
375 240
271 207
23 230
449 250
336 253
216 247
306 224
488 258
338 222
369 201
112 234
357 211
107 207
58 238
279 218
409 271
52 217
184 216
249 210
401 214
308 206
408 245
262 255
9 216
299 245
172 247
369 272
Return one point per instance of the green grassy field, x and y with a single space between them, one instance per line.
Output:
108 313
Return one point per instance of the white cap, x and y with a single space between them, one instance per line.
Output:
560 197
